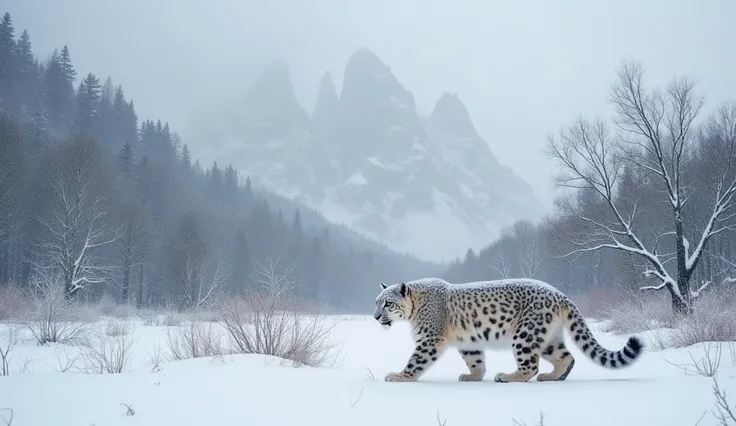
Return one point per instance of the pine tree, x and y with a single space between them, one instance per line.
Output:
297 226
88 112
26 79
59 92
231 182
186 159
106 122
7 57
67 68
125 161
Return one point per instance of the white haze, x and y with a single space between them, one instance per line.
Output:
523 69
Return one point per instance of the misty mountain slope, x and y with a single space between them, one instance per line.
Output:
268 135
425 185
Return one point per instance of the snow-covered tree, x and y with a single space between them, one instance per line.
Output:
655 136
79 224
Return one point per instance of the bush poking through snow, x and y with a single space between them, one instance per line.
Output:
707 366
8 340
116 328
194 340
269 321
155 358
631 311
108 355
714 320
55 319
266 324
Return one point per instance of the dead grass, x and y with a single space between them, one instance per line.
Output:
105 354
54 319
195 339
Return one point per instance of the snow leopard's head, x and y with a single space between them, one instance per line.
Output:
392 304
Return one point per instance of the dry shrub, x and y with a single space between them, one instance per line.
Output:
633 311
714 320
273 324
8 341
171 319
194 340
53 318
116 327
108 354
268 320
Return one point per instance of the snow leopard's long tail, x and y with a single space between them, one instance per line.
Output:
584 339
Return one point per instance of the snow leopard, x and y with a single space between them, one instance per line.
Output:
527 316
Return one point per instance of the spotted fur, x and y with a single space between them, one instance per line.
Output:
524 315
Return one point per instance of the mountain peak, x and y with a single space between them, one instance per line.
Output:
450 116
273 86
326 98
365 58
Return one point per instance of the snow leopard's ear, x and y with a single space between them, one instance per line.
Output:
403 289
383 286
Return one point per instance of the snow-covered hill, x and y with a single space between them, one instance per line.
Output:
426 185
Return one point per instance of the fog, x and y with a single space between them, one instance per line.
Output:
522 69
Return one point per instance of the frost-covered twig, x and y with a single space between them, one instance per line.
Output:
370 374
8 421
155 358
706 366
725 416
523 423
440 422
130 411
360 395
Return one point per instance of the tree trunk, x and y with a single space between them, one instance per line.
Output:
681 303
679 306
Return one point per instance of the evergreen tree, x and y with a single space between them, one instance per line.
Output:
88 109
59 93
125 161
65 61
26 79
7 57
186 159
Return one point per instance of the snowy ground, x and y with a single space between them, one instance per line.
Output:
257 390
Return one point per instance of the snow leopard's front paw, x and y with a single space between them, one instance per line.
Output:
399 377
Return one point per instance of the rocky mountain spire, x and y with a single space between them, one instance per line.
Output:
450 116
326 109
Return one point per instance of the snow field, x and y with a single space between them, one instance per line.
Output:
262 390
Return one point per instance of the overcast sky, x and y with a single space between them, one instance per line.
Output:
523 69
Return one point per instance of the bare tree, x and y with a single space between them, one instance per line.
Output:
210 281
529 252
655 136
79 224
131 245
501 265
